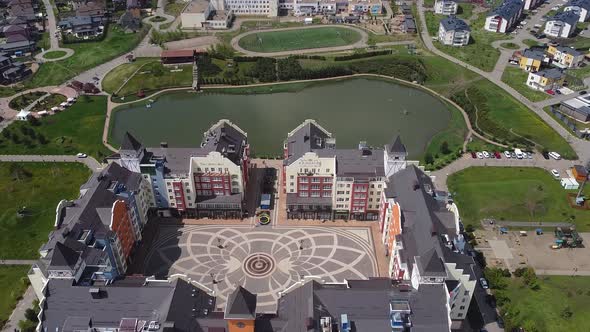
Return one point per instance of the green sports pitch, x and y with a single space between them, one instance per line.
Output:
298 39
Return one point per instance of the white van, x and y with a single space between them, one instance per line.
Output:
554 155
518 153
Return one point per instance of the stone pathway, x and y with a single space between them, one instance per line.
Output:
89 161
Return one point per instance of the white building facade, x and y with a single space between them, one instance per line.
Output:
445 7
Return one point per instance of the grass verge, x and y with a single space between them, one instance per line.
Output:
517 78
12 287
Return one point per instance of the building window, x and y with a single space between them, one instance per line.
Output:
327 170
315 180
462 307
292 177
169 190
460 315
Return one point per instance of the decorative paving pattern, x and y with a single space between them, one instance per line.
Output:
265 260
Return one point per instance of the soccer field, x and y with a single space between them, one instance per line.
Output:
287 40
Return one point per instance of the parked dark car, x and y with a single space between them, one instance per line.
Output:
583 92
545 155
473 155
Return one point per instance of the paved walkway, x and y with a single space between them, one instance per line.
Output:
18 313
17 262
90 162
359 44
53 40
581 147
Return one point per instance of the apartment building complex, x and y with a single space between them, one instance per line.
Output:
580 8
561 25
94 236
427 247
504 17
206 181
453 31
323 182
331 7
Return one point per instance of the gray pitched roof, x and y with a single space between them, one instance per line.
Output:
241 304
308 138
534 54
130 143
568 17
553 73
579 3
397 146
452 23
63 257
507 9
569 50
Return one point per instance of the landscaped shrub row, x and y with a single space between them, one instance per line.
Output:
362 55
406 69
309 57
250 58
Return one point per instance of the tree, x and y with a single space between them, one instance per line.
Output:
533 201
42 139
428 158
27 326
31 315
444 148
6 133
33 121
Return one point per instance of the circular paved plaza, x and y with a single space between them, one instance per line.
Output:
264 260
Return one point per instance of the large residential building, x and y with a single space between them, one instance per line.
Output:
200 14
453 31
561 25
12 71
548 79
580 8
531 4
531 60
177 304
269 8
504 17
323 182
95 235
206 181
445 7
565 57
328 7
420 228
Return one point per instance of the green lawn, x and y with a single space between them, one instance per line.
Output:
516 78
54 54
503 118
38 187
174 7
510 46
116 77
581 73
86 56
77 129
433 22
11 288
25 100
275 41
513 193
155 76
465 10
544 309
531 42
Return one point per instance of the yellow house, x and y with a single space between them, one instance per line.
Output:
531 60
548 79
565 57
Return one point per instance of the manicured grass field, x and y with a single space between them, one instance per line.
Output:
531 42
11 288
510 46
38 187
275 41
116 77
155 76
77 129
511 193
54 54
545 309
86 56
516 78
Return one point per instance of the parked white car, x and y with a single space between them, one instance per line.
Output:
486 154
555 173
81 155
507 154
479 155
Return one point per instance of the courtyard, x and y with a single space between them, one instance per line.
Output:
265 260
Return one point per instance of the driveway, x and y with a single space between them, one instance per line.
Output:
90 162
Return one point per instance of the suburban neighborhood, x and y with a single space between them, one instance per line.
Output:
277 165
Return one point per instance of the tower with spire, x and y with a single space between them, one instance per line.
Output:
131 153
395 156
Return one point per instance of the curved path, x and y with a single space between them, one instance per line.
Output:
470 132
359 44
89 161
54 42
581 147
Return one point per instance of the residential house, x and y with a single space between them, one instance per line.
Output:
424 245
94 236
12 71
547 79
18 46
565 57
579 7
453 31
531 4
82 26
130 21
205 181
91 9
577 108
358 7
561 25
504 17
204 14
445 7
409 24
531 60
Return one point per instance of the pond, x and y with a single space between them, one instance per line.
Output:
354 110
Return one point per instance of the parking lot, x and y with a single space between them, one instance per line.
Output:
513 251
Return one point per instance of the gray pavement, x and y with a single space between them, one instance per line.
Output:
90 162
53 40
264 259
18 313
17 262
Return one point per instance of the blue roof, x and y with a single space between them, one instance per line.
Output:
453 23
579 3
508 8
568 17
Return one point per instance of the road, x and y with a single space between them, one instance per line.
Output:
53 40
440 180
581 147
90 162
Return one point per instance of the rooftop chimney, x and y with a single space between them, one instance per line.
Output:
163 144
